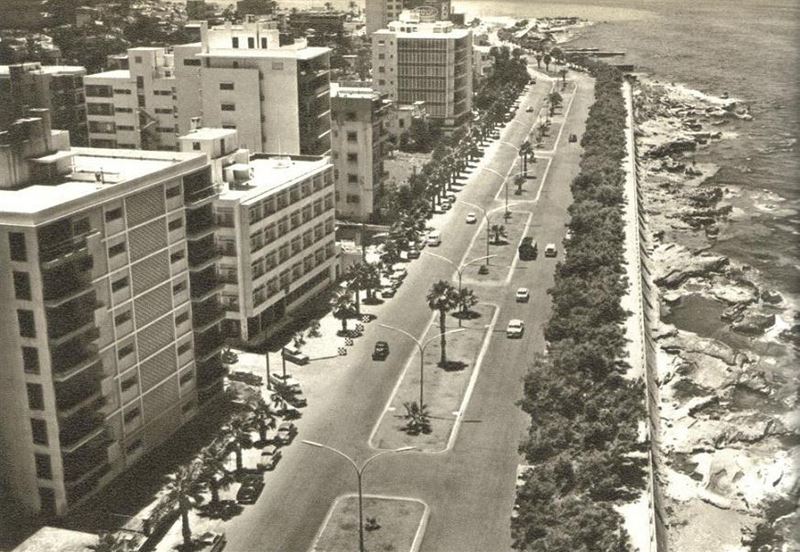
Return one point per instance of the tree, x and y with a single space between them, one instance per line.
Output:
539 56
263 416
185 489
547 60
343 307
110 542
498 231
563 73
465 300
442 297
418 420
237 432
282 394
213 473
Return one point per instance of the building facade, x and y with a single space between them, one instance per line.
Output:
413 60
109 312
379 13
359 117
238 77
58 88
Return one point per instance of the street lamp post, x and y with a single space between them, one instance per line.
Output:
359 473
421 347
459 268
486 218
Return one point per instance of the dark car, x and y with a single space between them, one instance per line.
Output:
573 138
528 248
251 488
381 351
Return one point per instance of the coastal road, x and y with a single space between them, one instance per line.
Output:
470 488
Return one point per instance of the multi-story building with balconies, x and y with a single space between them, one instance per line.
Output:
58 88
275 219
380 12
109 313
415 60
358 137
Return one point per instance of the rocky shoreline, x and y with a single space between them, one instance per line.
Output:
727 345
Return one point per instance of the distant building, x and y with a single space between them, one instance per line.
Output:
413 60
58 88
400 118
482 63
255 7
275 215
358 118
109 313
322 22
379 13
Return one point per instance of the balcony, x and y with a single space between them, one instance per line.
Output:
72 248
208 344
86 484
72 358
56 293
207 315
204 285
87 461
210 372
81 428
198 198
199 225
80 392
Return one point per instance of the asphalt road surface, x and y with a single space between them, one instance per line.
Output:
470 488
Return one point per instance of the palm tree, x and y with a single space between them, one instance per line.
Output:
371 279
237 432
264 417
110 542
555 99
355 283
282 394
343 307
442 297
465 300
418 420
213 473
524 150
185 489
499 231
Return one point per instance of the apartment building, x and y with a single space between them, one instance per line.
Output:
109 312
379 13
58 88
414 60
359 116
134 108
238 77
275 218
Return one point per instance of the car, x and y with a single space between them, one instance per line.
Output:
528 249
413 253
529 109
471 218
573 138
286 432
515 328
295 355
446 205
297 399
210 541
523 295
388 291
251 488
381 350
288 380
434 239
568 235
398 274
246 377
550 250
270 456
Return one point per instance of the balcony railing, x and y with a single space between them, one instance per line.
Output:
201 257
207 344
84 462
205 316
71 363
69 404
80 429
67 288
81 328
67 249
199 197
210 372
87 484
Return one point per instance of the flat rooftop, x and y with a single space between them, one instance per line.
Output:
272 174
115 74
308 52
50 69
48 539
207 133
339 91
113 167
425 33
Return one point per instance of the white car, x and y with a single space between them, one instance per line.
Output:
471 218
529 109
550 250
515 328
434 239
523 295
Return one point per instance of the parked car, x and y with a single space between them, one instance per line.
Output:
515 328
381 350
446 205
270 456
528 249
434 238
246 377
471 218
278 379
550 250
211 541
523 295
251 488
286 432
413 253
297 400
398 274
387 292
573 138
295 355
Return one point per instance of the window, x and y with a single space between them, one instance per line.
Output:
381 69
131 414
179 287
123 110
122 317
352 158
139 82
22 285
235 41
352 178
263 42
381 82
134 446
129 382
124 127
175 224
187 377
174 191
164 110
177 256
117 249
16 243
352 136
113 214
184 347
27 327
43 468
195 62
182 318
35 396
251 42
123 91
137 59
30 360
188 406
39 430
125 351
119 284
381 56
228 107
353 198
